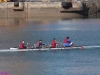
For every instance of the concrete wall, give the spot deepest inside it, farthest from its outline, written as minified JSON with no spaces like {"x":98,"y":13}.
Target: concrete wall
{"x":35,"y":9}
{"x":42,"y":5}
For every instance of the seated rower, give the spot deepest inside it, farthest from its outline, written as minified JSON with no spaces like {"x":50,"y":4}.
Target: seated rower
{"x":67,"y":42}
{"x":54,"y":43}
{"x":39,"y":44}
{"x":22,"y":45}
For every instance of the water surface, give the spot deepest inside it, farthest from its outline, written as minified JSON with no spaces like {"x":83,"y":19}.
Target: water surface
{"x":62,"y":62}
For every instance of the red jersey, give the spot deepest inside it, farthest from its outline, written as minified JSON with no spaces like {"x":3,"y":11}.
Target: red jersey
{"x":66,"y":41}
{"x":21,"y":45}
{"x":53,"y":44}
{"x":38,"y":44}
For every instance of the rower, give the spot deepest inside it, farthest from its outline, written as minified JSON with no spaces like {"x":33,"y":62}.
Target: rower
{"x":22,"y":45}
{"x":54,"y":43}
{"x":67,"y":42}
{"x":39,"y":44}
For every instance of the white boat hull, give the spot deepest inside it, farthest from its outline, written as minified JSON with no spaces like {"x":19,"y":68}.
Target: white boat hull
{"x":46,"y":49}
{"x":36,"y":49}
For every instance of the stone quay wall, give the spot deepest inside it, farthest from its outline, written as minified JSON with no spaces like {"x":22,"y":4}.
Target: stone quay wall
{"x":50,"y":9}
{"x":38,"y":9}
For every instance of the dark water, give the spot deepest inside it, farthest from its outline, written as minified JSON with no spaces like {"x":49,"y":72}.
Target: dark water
{"x":66,"y":62}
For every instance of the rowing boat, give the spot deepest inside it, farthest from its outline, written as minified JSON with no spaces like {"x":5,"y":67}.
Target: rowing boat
{"x":47,"y":49}
{"x":37,"y":49}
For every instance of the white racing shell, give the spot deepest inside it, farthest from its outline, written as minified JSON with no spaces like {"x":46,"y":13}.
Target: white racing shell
{"x":46,"y":49}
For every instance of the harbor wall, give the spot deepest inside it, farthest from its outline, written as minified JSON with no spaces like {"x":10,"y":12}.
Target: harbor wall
{"x":37,"y":9}
{"x":50,"y":9}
